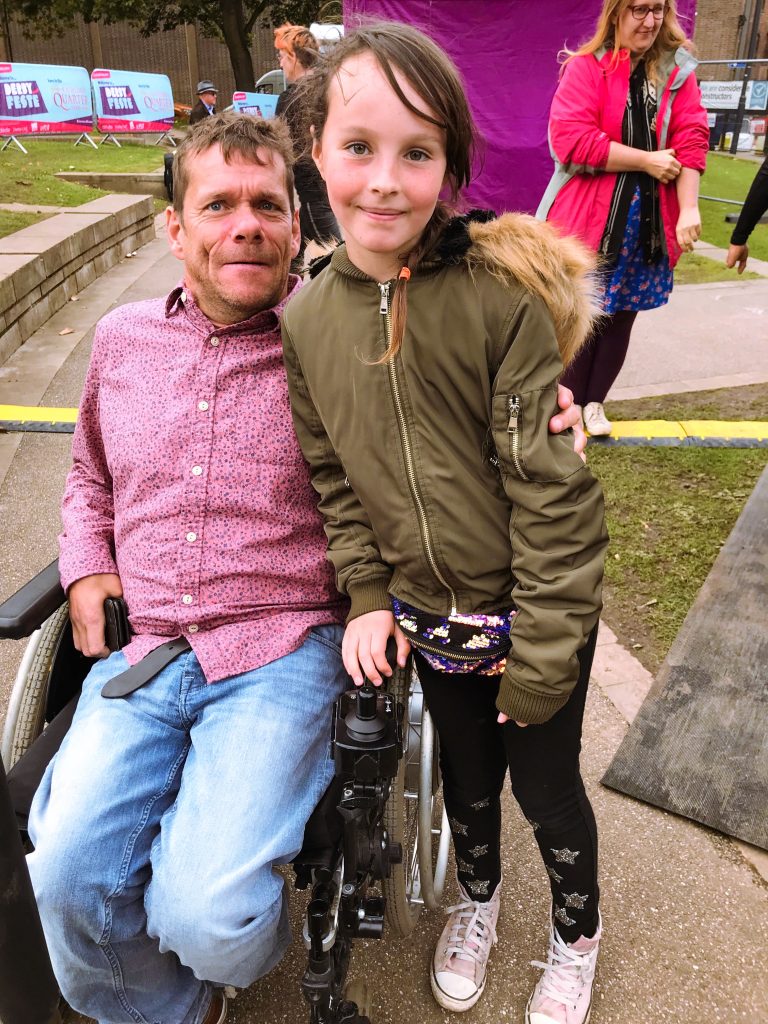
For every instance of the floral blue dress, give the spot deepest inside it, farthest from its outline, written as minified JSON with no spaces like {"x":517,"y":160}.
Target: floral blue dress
{"x":634,"y":284}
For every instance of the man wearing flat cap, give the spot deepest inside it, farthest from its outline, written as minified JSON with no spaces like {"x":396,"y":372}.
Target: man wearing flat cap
{"x":206,"y":102}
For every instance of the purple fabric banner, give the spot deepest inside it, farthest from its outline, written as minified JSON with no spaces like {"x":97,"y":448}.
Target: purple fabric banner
{"x":507,"y":53}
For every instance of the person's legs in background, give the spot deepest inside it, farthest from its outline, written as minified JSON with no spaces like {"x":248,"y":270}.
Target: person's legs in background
{"x":592,"y":373}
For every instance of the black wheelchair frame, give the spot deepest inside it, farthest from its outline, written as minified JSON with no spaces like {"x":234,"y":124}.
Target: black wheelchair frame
{"x":347,"y":849}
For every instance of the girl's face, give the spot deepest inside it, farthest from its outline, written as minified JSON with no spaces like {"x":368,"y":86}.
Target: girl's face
{"x":383,"y":165}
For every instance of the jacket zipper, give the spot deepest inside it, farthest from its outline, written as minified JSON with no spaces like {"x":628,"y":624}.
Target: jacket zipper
{"x":513,"y":429}
{"x":410,"y":469}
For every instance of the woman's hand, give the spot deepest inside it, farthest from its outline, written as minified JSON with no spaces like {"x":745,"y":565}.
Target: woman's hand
{"x":505,"y":718}
{"x":688,"y":227}
{"x":662,"y":165}
{"x":364,"y":647}
{"x":737,"y":254}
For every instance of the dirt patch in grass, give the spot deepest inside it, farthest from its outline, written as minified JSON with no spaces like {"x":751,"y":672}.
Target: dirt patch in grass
{"x":744,"y":403}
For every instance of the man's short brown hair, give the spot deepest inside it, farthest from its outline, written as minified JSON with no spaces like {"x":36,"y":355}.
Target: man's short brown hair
{"x":242,"y":134}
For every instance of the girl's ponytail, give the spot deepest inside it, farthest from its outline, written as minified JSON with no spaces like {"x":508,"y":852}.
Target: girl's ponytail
{"x":423,"y":251}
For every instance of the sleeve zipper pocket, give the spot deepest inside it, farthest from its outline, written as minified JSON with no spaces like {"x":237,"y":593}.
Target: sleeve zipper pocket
{"x":514,"y":409}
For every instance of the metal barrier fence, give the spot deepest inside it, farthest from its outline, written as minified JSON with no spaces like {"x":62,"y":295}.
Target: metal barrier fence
{"x":738,"y":106}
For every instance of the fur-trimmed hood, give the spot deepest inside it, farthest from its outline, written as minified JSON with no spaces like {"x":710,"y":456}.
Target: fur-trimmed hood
{"x":516,"y":247}
{"x":558,"y":269}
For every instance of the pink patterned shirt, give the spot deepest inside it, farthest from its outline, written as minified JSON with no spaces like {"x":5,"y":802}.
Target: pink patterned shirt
{"x":188,"y":481}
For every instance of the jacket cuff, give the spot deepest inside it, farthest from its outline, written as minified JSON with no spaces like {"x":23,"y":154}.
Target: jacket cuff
{"x":372,"y":595}
{"x":525,"y":706}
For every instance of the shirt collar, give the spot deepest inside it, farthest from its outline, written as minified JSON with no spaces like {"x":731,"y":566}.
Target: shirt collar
{"x":181,"y":300}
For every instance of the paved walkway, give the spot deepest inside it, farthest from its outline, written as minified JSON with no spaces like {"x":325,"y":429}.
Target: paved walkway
{"x":685,"y":910}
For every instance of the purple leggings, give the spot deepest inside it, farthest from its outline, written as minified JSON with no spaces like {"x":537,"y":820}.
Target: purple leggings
{"x":591,"y":374}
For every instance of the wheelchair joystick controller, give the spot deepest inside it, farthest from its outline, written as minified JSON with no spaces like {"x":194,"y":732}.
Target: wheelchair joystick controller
{"x":362,"y":720}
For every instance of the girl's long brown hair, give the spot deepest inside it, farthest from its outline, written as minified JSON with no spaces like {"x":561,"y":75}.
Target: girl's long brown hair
{"x":436,"y":80}
{"x":670,"y":37}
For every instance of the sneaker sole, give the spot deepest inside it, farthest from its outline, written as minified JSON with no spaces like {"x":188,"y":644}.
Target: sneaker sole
{"x":448,"y":1002}
{"x":528,"y":1014}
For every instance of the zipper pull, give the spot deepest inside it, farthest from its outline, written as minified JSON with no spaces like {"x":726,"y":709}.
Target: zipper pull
{"x":513,"y":409}
{"x":384,"y":307}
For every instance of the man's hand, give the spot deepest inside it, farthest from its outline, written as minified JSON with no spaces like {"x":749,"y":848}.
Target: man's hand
{"x":662,"y":165}
{"x":365,"y":643}
{"x":86,"y":611}
{"x":737,"y":254}
{"x":569,"y":417}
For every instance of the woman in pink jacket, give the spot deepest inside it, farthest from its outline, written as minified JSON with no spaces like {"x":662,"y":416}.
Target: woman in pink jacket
{"x":629,"y":136}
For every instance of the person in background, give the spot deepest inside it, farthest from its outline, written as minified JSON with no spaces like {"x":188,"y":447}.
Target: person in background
{"x":755,"y":206}
{"x":629,"y":136}
{"x":206,"y":102}
{"x":298,"y":52}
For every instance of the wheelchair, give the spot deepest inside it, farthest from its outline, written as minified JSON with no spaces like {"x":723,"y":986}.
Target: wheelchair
{"x":375,"y":849}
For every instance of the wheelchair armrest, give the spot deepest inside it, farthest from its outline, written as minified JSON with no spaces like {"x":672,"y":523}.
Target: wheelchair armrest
{"x":29,"y":607}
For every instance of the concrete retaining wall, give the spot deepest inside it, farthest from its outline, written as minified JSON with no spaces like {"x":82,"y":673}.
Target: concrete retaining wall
{"x":43,"y":265}
{"x":140,"y":183}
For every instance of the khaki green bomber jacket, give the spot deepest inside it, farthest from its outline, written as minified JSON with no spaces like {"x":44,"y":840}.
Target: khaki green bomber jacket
{"x":438,"y":478}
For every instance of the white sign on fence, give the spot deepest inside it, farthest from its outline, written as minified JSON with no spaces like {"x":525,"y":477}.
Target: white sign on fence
{"x":721,"y":95}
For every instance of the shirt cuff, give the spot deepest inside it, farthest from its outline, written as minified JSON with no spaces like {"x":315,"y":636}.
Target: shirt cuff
{"x":73,"y":569}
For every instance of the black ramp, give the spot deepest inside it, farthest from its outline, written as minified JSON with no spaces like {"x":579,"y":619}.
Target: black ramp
{"x":699,"y":744}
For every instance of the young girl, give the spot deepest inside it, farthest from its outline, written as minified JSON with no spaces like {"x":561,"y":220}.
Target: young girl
{"x":422,"y":362}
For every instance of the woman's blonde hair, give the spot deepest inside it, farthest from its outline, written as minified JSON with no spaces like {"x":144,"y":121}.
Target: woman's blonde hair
{"x":670,"y":37}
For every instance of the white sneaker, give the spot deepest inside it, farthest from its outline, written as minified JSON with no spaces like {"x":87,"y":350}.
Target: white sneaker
{"x":462,"y":951}
{"x":597,"y":423}
{"x":563,"y":994}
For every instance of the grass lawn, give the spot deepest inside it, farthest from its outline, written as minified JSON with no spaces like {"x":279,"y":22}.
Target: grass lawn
{"x":669,"y":511}
{"x":729,"y":177}
{"x":10,"y":221}
{"x":695,"y":269}
{"x":30,"y":179}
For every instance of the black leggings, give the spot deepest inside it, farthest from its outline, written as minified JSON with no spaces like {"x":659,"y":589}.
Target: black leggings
{"x":543,"y":762}
{"x":591,"y":374}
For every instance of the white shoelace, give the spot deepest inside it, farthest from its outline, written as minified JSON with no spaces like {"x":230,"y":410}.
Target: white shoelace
{"x":566,"y":972}
{"x":473,"y":927}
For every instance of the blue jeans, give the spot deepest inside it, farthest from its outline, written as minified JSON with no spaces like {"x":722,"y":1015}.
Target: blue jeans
{"x":158,"y":824}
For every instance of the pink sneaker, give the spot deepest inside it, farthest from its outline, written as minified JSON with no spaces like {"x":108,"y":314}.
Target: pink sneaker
{"x":461,"y":955}
{"x":563,"y":994}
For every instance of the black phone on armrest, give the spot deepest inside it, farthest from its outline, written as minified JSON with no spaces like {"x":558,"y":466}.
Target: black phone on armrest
{"x":117,"y":631}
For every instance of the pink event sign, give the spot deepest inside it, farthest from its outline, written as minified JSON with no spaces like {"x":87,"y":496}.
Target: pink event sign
{"x":131,"y":101}
{"x":38,"y":99}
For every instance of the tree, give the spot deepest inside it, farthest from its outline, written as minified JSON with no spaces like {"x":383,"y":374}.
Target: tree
{"x":230,"y":20}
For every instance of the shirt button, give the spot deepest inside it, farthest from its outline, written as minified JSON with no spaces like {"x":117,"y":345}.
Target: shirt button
{"x":202,"y":406}
{"x":197,"y":470}
{"x":214,"y":342}
{"x":186,"y":599}
{"x":183,"y":296}
{"x":191,"y":537}
{"x":192,"y":627}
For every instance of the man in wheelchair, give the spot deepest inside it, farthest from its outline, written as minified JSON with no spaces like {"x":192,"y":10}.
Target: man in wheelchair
{"x":198,"y":751}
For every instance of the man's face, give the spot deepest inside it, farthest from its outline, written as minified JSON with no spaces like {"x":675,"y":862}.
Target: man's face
{"x":209,"y":98}
{"x":238,"y":235}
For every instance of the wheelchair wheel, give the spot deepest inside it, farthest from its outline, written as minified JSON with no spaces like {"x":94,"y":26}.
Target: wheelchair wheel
{"x":26,"y":709}
{"x":414,"y":813}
